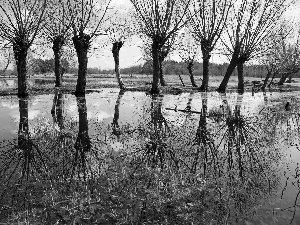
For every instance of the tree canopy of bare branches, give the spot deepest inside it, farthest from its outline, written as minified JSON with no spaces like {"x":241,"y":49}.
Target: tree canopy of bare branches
{"x":248,"y":26}
{"x":207,"y":25}
{"x":160,"y":20}
{"x":273,"y":49}
{"x":20,"y":22}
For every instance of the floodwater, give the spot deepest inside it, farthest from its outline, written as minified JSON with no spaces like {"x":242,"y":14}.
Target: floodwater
{"x":132,"y":158}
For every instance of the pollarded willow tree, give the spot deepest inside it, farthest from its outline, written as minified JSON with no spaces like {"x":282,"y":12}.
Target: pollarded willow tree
{"x":247,"y":28}
{"x":166,"y":50}
{"x":290,"y":58}
{"x":207,"y":26}
{"x":88,"y":18}
{"x":118,"y":33}
{"x":20,"y":23}
{"x":188,"y":50}
{"x":274,"y":51}
{"x":57,"y":31}
{"x":160,"y":20}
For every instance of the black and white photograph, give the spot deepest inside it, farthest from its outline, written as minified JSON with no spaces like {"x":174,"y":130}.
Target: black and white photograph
{"x":150,"y":112}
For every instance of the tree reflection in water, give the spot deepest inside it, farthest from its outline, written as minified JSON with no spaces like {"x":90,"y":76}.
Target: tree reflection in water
{"x":57,"y":110}
{"x":83,"y":144}
{"x":214,"y":169}
{"x":285,"y":133}
{"x":204,"y":140}
{"x":158,"y":130}
{"x":115,"y":124}
{"x":22,"y":167}
{"x":248,"y":172}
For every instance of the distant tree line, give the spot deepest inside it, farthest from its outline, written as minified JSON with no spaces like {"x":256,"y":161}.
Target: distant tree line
{"x":42,"y":66}
{"x":171,"y":67}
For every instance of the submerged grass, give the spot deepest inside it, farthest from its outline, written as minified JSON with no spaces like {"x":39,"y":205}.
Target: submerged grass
{"x":189,"y":174}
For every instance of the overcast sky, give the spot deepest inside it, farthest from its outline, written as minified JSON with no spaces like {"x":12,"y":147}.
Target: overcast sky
{"x":131,"y":54}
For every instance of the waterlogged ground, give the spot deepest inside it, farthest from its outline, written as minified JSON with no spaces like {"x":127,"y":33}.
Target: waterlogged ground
{"x":132,"y":158}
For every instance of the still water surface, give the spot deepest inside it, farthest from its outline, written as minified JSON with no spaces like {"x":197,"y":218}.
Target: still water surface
{"x":132,"y":158}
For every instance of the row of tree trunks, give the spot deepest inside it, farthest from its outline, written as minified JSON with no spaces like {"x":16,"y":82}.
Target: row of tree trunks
{"x":20,"y":49}
{"x":81,"y":44}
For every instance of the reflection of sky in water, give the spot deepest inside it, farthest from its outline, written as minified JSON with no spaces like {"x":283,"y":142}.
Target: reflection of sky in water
{"x":100,"y":106}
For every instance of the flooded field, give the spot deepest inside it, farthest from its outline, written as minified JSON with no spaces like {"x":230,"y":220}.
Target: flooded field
{"x":105,"y":80}
{"x":131,"y":158}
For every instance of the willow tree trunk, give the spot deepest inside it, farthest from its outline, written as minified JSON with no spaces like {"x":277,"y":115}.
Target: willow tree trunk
{"x":230,"y":69}
{"x":20,"y":52}
{"x":82,"y":44}
{"x":156,"y":70}
{"x":58,"y":43}
{"x":240,"y":68}
{"x":266,"y":80}
{"x":283,"y":78}
{"x":274,"y":75}
{"x":204,"y":85}
{"x":181,"y":80}
{"x":116,"y":54}
{"x":161,"y":74}
{"x":190,"y":68}
{"x":223,"y":85}
{"x":83,"y":142}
